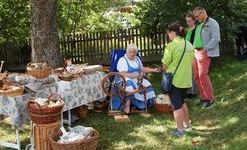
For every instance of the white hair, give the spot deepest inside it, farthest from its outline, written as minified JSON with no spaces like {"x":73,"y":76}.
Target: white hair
{"x":132,"y":46}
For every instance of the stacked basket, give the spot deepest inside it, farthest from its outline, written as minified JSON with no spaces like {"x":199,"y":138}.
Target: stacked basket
{"x":45,"y":114}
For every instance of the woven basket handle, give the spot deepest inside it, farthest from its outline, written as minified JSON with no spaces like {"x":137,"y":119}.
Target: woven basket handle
{"x":29,"y":64}
{"x":45,"y":64}
{"x":58,"y":98}
{"x":32,"y":102}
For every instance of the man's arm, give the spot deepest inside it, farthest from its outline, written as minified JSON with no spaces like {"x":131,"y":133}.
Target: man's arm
{"x":214,"y":30}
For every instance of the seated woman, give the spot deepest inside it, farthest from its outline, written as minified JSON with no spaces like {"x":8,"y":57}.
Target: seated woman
{"x":130,"y":66}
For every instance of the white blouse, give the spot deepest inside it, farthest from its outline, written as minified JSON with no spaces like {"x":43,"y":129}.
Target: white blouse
{"x":123,"y":66}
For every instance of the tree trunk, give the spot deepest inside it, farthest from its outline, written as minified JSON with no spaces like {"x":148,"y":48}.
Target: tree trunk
{"x":45,"y":39}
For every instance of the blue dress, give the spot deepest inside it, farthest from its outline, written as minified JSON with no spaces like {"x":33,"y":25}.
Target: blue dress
{"x":137,"y":100}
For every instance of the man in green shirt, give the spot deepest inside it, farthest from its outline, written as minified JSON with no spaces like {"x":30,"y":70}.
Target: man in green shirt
{"x":183,"y":76}
{"x":206,"y":43}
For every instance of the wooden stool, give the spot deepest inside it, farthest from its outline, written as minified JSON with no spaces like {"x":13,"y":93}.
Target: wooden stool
{"x":42,"y":133}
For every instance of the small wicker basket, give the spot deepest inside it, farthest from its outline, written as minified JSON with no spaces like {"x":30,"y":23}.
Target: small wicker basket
{"x":44,"y":114}
{"x":38,"y":70}
{"x":65,"y":77}
{"x":100,"y":106}
{"x":86,"y":144}
{"x":12,"y":91}
{"x":82,"y":111}
{"x":163,"y":108}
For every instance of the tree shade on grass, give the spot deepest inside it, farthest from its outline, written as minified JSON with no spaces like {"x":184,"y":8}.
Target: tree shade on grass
{"x":222,"y":126}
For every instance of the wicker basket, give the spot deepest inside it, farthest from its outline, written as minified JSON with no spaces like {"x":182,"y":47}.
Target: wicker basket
{"x":87,"y":144}
{"x":38,"y":70}
{"x":42,"y":133}
{"x":163,"y":108}
{"x":44,"y":114}
{"x":100,"y":106}
{"x":65,"y":78}
{"x":82,"y":111}
{"x":12,"y":91}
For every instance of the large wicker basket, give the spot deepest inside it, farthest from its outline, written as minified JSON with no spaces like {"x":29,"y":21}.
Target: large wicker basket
{"x":12,"y":91}
{"x":44,"y":114}
{"x":38,"y":70}
{"x":87,"y":144}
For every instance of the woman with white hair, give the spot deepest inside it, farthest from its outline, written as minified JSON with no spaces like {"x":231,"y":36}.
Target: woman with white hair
{"x":130,"y":66}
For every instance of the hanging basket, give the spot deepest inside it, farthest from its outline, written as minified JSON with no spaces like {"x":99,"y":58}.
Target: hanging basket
{"x":45,"y":114}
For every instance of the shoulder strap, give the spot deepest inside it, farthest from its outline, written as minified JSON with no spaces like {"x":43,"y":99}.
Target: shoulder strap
{"x":126,"y":61}
{"x":180,"y":58}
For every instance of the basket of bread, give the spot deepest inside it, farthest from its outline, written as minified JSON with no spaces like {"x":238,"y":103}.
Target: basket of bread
{"x":162,"y":104}
{"x":38,"y":70}
{"x":7,"y":88}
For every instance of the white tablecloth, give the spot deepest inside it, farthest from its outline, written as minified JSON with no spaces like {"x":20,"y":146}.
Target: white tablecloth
{"x":74,"y":93}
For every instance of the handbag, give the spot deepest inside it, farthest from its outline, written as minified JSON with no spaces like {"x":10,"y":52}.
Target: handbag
{"x":166,"y":83}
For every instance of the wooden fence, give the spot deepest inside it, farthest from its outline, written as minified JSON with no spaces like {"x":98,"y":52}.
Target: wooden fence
{"x":15,"y":55}
{"x":92,"y":48}
{"x":95,"y":47}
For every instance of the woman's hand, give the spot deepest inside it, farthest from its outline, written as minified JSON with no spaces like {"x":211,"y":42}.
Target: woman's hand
{"x":164,"y":68}
{"x":158,"y":69}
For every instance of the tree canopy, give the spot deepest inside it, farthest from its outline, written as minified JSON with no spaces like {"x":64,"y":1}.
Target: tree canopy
{"x":14,"y":19}
{"x":156,"y":14}
{"x":90,"y":15}
{"x":73,"y":16}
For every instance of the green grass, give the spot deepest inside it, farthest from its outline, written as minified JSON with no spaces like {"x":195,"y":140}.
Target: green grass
{"x":223,"y":126}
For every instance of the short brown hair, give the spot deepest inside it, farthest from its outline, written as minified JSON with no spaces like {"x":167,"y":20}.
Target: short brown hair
{"x":177,"y":28}
{"x":190,"y":15}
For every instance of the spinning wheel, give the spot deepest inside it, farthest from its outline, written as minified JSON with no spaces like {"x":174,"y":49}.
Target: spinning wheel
{"x":114,"y":85}
{"x":113,"y":80}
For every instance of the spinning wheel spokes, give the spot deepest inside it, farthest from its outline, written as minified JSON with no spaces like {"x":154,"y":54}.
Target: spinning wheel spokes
{"x":106,"y":86}
{"x":112,"y":80}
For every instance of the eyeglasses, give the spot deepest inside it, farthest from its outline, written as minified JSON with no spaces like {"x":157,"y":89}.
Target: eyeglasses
{"x":196,"y":16}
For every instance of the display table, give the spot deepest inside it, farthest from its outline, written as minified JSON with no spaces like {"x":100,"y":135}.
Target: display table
{"x":75,"y":93}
